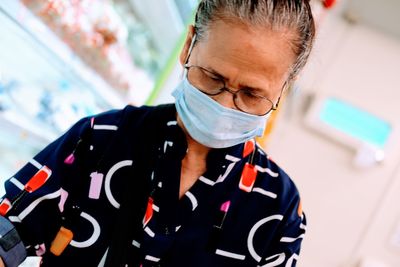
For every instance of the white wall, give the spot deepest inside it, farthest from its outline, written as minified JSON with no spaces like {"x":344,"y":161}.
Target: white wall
{"x":351,"y":213}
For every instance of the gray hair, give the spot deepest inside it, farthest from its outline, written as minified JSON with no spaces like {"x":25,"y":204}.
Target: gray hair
{"x":294,"y":15}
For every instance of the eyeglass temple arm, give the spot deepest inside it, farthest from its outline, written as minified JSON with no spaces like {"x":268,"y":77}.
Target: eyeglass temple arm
{"x":280,"y":96}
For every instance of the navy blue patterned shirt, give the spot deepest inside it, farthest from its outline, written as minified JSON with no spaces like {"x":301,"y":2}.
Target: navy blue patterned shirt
{"x":243,"y":211}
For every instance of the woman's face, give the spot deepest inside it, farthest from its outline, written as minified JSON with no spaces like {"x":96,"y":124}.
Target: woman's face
{"x":257,"y":59}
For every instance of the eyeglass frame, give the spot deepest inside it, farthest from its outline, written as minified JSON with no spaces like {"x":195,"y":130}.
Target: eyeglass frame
{"x":225,"y":88}
{"x":234,"y":93}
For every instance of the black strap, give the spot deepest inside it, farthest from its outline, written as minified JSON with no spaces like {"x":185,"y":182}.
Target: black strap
{"x":137,"y":190}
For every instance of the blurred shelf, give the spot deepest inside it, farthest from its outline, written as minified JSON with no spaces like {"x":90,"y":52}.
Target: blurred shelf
{"x":45,"y":86}
{"x":18,"y":126}
{"x":44,"y":48}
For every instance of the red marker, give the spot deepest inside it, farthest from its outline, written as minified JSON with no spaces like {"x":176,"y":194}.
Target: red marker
{"x":248,"y":178}
{"x":249,"y":147}
{"x":149,"y":212}
{"x":37,"y":181}
{"x":5,"y":206}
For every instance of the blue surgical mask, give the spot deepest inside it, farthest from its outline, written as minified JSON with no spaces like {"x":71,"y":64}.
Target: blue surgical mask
{"x":212,"y":124}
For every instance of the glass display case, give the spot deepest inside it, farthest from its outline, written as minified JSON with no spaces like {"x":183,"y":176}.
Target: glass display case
{"x":46,"y":85}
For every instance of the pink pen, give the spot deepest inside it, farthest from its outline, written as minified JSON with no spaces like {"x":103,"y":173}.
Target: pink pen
{"x":70,"y":159}
{"x":224,"y":208}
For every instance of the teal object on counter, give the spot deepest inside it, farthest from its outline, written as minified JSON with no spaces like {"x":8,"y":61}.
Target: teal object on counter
{"x":355,"y":122}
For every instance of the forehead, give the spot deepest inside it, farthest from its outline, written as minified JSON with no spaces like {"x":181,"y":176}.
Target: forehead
{"x":254,"y":56}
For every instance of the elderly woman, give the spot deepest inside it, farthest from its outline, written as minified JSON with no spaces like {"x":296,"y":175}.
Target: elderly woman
{"x":176,"y":185}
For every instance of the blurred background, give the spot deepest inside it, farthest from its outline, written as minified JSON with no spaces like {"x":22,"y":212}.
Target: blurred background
{"x":336,"y":134}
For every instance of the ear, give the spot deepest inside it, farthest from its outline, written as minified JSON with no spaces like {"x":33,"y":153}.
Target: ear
{"x":185,"y":50}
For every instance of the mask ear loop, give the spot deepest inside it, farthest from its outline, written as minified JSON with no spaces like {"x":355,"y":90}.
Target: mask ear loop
{"x":191,"y":47}
{"x":188,"y":55}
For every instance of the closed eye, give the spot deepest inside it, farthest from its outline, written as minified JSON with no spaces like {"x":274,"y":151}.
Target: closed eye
{"x":212,"y":75}
{"x":249,"y":93}
{"x":217,"y":79}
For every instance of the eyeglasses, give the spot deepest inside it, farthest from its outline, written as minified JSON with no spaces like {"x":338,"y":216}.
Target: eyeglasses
{"x":211,"y":84}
